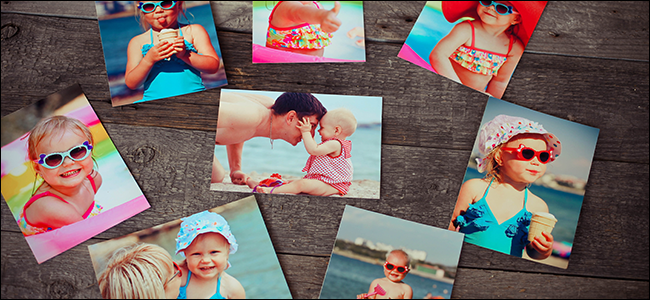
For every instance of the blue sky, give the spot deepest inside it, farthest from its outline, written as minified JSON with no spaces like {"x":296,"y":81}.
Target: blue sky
{"x":578,"y":141}
{"x":442,"y":246}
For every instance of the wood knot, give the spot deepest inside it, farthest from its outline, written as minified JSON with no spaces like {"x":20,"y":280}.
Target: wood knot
{"x":143,"y":155}
{"x":408,"y":19}
{"x":61,"y":289}
{"x":9,"y":30}
{"x":553,"y":34}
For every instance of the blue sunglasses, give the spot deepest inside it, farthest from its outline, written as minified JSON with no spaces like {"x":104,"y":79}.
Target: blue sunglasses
{"x":55,"y":159}
{"x":148,"y":7}
{"x":500,"y":8}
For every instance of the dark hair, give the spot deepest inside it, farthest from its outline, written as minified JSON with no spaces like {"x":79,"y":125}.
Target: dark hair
{"x":304,"y":104}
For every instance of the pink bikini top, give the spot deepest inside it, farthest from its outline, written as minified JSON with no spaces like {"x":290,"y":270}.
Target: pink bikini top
{"x":303,"y":36}
{"x":478,"y":60}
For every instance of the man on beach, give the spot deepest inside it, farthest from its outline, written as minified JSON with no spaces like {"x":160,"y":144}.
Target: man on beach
{"x":243,"y":116}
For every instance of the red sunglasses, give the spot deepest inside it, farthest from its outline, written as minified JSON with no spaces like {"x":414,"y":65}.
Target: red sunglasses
{"x":177,"y":273}
{"x":399,"y":269}
{"x":526,"y":153}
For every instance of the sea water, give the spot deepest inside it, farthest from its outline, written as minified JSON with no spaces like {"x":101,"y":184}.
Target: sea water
{"x":346,"y":278}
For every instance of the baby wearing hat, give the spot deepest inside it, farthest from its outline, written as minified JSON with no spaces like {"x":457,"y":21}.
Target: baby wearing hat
{"x":495,"y":212}
{"x":206,"y":243}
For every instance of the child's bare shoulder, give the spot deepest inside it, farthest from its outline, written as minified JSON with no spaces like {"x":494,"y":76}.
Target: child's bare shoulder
{"x":140,"y":40}
{"x":517,"y":47}
{"x":232,"y":287}
{"x":476,"y":185}
{"x":536,"y":204}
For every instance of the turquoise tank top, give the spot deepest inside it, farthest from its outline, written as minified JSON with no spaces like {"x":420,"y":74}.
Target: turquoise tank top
{"x":183,"y":290}
{"x":172,"y":77}
{"x":481,"y":227}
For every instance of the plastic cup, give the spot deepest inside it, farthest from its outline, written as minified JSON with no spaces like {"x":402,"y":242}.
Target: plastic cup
{"x":541,"y":221}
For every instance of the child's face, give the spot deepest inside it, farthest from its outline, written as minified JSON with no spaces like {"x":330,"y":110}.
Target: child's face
{"x":162,"y":18}
{"x":70,"y":173}
{"x":522,"y":170}
{"x":489,"y":15}
{"x":396,"y":259}
{"x":207,"y":256}
{"x":327,"y":128}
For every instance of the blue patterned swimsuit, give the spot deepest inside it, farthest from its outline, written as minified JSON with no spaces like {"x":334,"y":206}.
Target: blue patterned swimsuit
{"x":481,"y":227}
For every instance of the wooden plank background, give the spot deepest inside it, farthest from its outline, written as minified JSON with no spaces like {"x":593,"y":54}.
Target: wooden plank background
{"x":586,"y":62}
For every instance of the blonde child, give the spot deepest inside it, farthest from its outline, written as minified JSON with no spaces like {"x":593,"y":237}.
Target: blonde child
{"x":302,"y":27}
{"x":168,"y":69}
{"x":142,"y":271}
{"x":483,"y":53}
{"x":329,"y":168}
{"x":495,"y":212}
{"x":60,"y":149}
{"x":396,"y":267}
{"x":206,"y":243}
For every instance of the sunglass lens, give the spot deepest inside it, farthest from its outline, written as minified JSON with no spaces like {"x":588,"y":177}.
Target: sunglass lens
{"x":401,"y":269}
{"x":53,"y":160}
{"x":167,"y":4}
{"x":527,"y":154}
{"x":544,"y":156}
{"x":390,"y":266}
{"x":79,"y":152}
{"x":500,"y":8}
{"x":149,"y":7}
{"x":486,"y":3}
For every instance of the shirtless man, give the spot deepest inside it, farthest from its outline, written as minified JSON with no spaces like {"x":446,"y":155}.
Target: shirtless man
{"x":243,"y":116}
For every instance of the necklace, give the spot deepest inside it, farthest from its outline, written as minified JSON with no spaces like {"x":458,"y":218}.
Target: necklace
{"x":271,"y":131}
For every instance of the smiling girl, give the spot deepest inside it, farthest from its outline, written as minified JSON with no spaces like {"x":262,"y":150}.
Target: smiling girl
{"x":494,"y":212}
{"x":60,"y":149}
{"x":206,"y":242}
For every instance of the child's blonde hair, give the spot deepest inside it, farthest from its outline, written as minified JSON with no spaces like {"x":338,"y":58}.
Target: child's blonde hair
{"x":345,"y":118}
{"x":137,"y":272}
{"x":55,"y":125}
{"x":139,"y":14}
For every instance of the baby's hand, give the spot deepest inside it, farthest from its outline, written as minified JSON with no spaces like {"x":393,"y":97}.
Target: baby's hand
{"x":160,"y":51}
{"x":543,"y":245}
{"x":329,"y":22}
{"x":179,"y":47}
{"x":304,"y":125}
{"x":362,"y":296}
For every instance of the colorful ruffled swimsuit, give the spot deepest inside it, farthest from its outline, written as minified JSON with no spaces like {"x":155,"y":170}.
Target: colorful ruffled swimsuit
{"x":29,"y":229}
{"x":183,"y":290}
{"x":303,"y":36}
{"x":480,"y":61}
{"x":481,"y":227}
{"x":335,"y":171}
{"x":172,"y":77}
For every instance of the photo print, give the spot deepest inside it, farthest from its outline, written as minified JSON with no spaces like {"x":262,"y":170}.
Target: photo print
{"x":221,"y":253}
{"x":156,"y":50}
{"x":376,"y":256}
{"x":62,"y":177}
{"x":308,"y":32}
{"x":525,"y":183}
{"x":258,"y":144}
{"x":475,"y":43}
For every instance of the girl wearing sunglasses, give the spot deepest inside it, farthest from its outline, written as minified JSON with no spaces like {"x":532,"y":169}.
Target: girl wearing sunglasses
{"x":141,"y":271}
{"x":495,"y":212}
{"x":167,"y":68}
{"x":484,"y":52}
{"x":391,"y":287}
{"x":60,"y":149}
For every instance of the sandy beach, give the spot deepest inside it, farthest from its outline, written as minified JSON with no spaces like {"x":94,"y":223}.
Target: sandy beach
{"x":360,"y":188}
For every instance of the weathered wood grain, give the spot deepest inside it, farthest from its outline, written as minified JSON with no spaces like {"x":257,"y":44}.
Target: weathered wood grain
{"x":420,"y":108}
{"x":418,"y":184}
{"x":603,"y":29}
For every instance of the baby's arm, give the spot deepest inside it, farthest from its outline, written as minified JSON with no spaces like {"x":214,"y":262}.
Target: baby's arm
{"x":329,"y":147}
{"x":50,"y":211}
{"x":297,"y":13}
{"x":466,"y":196}
{"x":232,"y":287}
{"x":497,"y":85}
{"x":207,"y":61}
{"x":138,"y":67}
{"x":439,"y":56}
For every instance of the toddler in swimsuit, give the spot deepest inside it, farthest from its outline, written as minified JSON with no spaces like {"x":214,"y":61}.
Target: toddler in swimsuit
{"x":168,"y":69}
{"x":60,"y":149}
{"x":206,"y":243}
{"x":395,"y":269}
{"x":483,"y":53}
{"x":495,"y":212}
{"x":329,"y":168}
{"x":302,"y":27}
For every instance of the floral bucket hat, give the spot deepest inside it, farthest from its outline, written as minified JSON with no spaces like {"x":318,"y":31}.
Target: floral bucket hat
{"x":203,"y":222}
{"x":502,"y":128}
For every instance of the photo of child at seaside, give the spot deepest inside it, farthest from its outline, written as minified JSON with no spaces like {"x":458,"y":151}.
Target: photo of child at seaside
{"x":376,"y":256}
{"x":308,"y":31}
{"x":525,"y":165}
{"x":220,"y":253}
{"x":476,"y":43}
{"x":173,"y":51}
{"x":250,"y":123}
{"x":60,"y":173}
